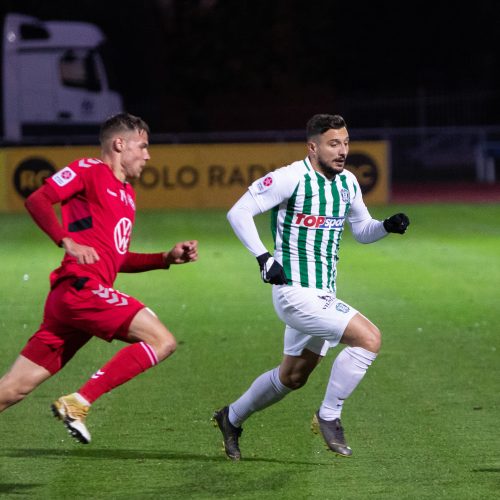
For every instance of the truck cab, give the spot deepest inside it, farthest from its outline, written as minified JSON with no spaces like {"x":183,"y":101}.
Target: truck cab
{"x":54,"y":80}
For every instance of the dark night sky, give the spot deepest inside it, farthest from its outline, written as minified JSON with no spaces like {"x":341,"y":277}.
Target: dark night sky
{"x":188,"y":65}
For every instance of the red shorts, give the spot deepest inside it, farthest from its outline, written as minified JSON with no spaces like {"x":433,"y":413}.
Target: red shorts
{"x":76,"y":310}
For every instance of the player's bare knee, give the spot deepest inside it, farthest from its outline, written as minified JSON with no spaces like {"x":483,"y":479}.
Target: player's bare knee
{"x":168,"y":348}
{"x":294,"y":381}
{"x":372,"y":340}
{"x":146,"y":327}
{"x":165,"y":345}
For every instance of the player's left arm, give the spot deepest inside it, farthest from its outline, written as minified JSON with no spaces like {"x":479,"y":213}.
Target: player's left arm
{"x":181,"y":253}
{"x":366,"y":229}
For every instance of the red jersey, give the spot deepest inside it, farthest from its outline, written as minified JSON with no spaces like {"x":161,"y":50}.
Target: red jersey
{"x":98,"y":210}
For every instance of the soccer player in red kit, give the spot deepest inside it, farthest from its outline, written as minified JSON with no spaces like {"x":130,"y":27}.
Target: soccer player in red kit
{"x":98,"y":212}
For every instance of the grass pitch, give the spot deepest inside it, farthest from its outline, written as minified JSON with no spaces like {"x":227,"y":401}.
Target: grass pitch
{"x":422,"y":424}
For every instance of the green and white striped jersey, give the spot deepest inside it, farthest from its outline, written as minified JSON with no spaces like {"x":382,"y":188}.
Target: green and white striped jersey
{"x":308,"y":215}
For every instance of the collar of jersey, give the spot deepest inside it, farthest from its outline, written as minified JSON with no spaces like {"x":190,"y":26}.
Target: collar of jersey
{"x":307,"y":163}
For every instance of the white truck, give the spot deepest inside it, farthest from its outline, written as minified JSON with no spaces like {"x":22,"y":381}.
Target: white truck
{"x":54,"y":80}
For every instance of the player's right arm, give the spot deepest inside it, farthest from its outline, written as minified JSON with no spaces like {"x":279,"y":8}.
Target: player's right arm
{"x":40,"y":206}
{"x":241,"y":219}
{"x":262,"y":195}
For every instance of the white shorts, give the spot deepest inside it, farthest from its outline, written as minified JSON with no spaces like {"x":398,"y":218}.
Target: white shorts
{"x":315,"y":319}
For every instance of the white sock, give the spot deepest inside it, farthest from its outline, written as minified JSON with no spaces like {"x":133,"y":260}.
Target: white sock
{"x":265,"y":390}
{"x":347,"y":371}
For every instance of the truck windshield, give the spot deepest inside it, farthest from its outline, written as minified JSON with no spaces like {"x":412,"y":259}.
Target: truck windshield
{"x":78,"y":68}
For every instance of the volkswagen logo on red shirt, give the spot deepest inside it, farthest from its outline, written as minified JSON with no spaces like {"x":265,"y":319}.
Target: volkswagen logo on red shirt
{"x":122,"y":235}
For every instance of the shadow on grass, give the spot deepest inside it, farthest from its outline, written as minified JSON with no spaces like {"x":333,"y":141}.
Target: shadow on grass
{"x":141,"y":455}
{"x":17,"y":488}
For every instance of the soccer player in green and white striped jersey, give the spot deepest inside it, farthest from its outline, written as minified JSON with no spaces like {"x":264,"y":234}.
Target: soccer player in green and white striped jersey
{"x":310,"y":201}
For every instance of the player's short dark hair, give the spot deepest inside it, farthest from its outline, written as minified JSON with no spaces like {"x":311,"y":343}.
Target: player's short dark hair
{"x":321,"y":123}
{"x":119,"y":123}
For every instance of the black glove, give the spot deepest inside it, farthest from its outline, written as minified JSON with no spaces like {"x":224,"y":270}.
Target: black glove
{"x":396,"y":223}
{"x":270,"y":270}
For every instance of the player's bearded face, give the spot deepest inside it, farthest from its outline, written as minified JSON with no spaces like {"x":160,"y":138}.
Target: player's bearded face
{"x":135,"y":153}
{"x":331,"y":151}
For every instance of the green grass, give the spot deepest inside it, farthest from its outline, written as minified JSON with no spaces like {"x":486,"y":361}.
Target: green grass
{"x":423,"y":423}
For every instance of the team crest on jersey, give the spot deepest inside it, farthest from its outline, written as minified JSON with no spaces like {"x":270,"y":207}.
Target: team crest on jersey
{"x":64,"y":176}
{"x":345,"y":195}
{"x":122,"y":234}
{"x":264,"y":183}
{"x":341,"y":307}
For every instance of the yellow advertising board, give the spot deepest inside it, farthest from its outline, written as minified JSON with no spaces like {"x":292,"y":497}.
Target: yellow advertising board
{"x":189,"y":175}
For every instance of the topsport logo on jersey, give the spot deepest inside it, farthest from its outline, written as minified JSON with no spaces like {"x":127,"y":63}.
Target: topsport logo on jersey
{"x":318,"y":221}
{"x":122,"y":235}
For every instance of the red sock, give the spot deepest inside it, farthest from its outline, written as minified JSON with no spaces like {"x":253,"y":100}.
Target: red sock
{"x":124,"y":365}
